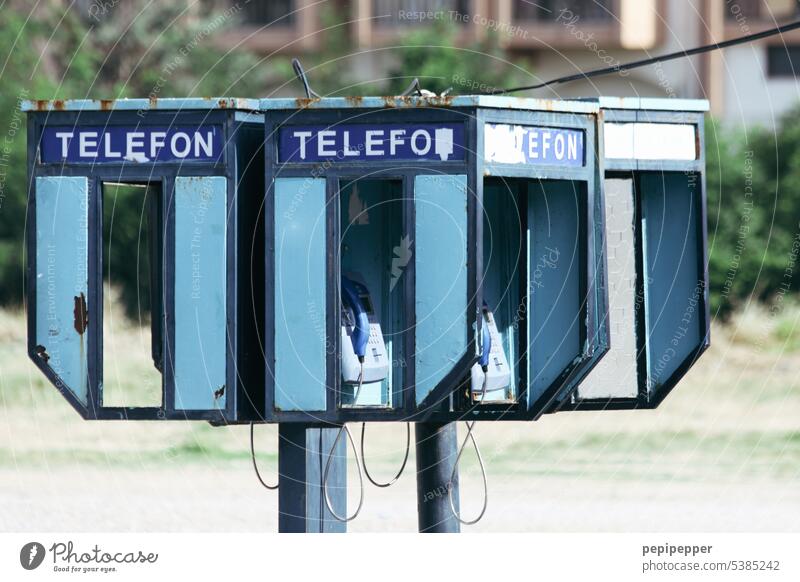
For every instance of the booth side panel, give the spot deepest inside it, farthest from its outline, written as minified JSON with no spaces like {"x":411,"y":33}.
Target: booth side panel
{"x":440,"y":254}
{"x":62,"y":263}
{"x":670,"y":228}
{"x":200,"y":293}
{"x":554,"y":282}
{"x":300,"y":294}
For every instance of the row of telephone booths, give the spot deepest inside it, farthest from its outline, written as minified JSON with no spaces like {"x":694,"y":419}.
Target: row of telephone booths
{"x":372,"y":259}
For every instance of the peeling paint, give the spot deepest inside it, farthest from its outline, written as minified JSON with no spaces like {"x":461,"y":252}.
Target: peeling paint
{"x":81,"y":314}
{"x":41,"y":351}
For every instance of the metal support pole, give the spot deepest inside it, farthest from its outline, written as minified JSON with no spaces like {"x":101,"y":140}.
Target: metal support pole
{"x":302,"y":454}
{"x":436,"y":453}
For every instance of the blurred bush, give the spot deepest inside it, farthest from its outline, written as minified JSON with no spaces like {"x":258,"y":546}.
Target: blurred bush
{"x":753,"y":183}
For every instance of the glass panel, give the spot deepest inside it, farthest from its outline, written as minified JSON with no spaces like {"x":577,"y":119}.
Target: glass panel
{"x":441,"y":278}
{"x":200,"y":293}
{"x":301,"y":342}
{"x":62,"y":263}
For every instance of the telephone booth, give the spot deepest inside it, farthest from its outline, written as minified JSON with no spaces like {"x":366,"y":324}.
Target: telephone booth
{"x":191,"y":172}
{"x":446,"y":214}
{"x":653,"y":165}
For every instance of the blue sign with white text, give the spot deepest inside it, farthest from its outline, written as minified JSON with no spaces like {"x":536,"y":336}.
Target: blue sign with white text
{"x":367,"y":143}
{"x":527,"y":144}
{"x":121,"y":143}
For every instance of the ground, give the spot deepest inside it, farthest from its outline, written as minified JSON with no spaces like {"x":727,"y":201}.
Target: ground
{"x":721,"y":454}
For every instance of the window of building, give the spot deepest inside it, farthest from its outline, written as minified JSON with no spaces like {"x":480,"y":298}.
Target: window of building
{"x":261,"y":12}
{"x":783,"y":61}
{"x":416,"y":12}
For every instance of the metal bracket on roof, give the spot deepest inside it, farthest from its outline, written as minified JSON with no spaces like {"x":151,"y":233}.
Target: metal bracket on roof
{"x":301,"y":74}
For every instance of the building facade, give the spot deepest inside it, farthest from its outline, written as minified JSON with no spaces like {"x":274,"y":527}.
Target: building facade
{"x":751,"y":84}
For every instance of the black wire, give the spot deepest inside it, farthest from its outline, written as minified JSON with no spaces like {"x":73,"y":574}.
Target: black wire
{"x":255,"y":464}
{"x":402,"y":466}
{"x":653,"y":60}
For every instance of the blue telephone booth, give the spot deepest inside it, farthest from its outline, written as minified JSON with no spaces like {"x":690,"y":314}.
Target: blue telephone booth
{"x":653,"y":166}
{"x":440,"y":216}
{"x":195,"y":171}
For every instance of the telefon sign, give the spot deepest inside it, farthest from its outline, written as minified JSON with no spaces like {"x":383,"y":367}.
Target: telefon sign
{"x":525,"y":144}
{"x":371,"y":143}
{"x":116,"y":143}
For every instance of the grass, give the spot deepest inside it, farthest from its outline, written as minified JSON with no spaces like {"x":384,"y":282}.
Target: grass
{"x":736,"y":413}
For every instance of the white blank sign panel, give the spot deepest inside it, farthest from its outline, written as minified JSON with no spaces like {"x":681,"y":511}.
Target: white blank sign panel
{"x":650,"y":141}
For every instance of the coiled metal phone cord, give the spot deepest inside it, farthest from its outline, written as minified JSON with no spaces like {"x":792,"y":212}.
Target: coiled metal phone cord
{"x":255,"y":464}
{"x":470,"y":436}
{"x":402,"y":466}
{"x":344,"y":429}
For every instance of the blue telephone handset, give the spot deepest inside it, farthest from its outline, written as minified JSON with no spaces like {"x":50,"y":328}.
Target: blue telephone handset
{"x":490,"y":377}
{"x":486,"y":348}
{"x":350,"y":297}
{"x":364,"y":355}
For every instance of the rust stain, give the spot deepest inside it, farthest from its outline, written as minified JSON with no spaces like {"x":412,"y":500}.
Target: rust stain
{"x":58,"y":104}
{"x":219,"y":393}
{"x":152,"y":101}
{"x":106,"y":104}
{"x":223,"y":103}
{"x":418,"y":101}
{"x":305,"y":102}
{"x":354,"y":100}
{"x":81,"y":314}
{"x":41,"y":351}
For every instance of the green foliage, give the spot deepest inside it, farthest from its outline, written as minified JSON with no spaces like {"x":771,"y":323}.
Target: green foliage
{"x":753,"y":183}
{"x":431,"y":54}
{"x":135,"y":49}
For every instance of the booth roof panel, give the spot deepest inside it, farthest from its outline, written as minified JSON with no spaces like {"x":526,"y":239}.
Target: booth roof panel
{"x":167,"y":104}
{"x":651,"y":103}
{"x":590,"y":105}
{"x":410,"y":102}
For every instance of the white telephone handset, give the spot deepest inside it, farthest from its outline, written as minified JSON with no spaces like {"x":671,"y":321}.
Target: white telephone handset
{"x":362,"y":339}
{"x":491,"y":373}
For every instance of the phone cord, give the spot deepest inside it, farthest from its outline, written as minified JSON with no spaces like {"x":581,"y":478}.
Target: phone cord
{"x":470,"y":436}
{"x":402,"y":467}
{"x":255,"y":464}
{"x":344,"y":429}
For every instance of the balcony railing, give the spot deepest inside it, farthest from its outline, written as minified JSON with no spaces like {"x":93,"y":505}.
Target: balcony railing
{"x":595,"y":11}
{"x":736,"y":10}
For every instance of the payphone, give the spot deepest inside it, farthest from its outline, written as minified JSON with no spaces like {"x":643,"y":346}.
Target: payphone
{"x":653,"y":168}
{"x":436,"y":203}
{"x":193,"y":168}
